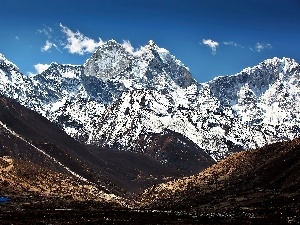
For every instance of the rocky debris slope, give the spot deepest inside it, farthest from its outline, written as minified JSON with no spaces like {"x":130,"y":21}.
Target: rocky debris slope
{"x":120,"y":96}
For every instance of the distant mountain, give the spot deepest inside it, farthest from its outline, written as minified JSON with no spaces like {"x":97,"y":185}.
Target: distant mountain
{"x":119,"y":97}
{"x":255,"y":184}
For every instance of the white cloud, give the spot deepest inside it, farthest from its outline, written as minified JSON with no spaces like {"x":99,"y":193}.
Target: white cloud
{"x":261,"y":46}
{"x":212,"y":44}
{"x":31,"y":73}
{"x":77,"y":43}
{"x":39,"y":68}
{"x":128,"y":47}
{"x":48,"y":45}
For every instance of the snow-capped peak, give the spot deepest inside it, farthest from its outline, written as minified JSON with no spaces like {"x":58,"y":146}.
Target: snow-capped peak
{"x":151,"y":45}
{"x":111,"y":42}
{"x":126,"y":69}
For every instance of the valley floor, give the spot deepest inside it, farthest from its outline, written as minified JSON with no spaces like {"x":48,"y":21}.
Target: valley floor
{"x":44,"y":210}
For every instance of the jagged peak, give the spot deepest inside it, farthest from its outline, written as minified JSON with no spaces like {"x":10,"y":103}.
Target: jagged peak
{"x":277,"y":59}
{"x":105,"y":47}
{"x":285,"y":61}
{"x":55,"y":64}
{"x":151,"y":45}
{"x":108,"y":44}
{"x":57,"y":71}
{"x":111,"y":42}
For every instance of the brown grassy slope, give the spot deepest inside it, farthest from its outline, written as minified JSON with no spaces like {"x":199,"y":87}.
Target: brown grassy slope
{"x":274,"y":168}
{"x":21,"y":178}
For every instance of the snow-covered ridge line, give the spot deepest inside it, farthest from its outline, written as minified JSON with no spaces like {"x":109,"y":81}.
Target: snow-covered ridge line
{"x":291,"y":63}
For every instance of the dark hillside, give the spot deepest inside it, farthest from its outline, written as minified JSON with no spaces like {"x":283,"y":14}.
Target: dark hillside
{"x":117,"y":171}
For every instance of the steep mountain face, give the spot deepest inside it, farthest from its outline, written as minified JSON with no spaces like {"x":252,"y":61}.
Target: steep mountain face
{"x":120,"y":96}
{"x":264,"y":98}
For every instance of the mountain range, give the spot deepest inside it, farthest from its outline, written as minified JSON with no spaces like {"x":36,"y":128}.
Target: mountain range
{"x":120,"y":128}
{"x":123,"y":99}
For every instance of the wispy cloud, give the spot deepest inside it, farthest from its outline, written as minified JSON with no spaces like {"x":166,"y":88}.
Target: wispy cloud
{"x":212,"y":44}
{"x":48,"y":45}
{"x":233,"y":44}
{"x":46,"y":31}
{"x":261,"y":46}
{"x":17,"y":38}
{"x":77,"y":43}
{"x":64,"y":38}
{"x":258,"y":47}
{"x":39,"y":68}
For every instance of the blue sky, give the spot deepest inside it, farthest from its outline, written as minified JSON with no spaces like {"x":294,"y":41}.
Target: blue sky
{"x":212,"y":38}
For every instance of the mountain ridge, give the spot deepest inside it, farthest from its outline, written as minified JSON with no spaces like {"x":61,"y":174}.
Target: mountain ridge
{"x":225,"y":115}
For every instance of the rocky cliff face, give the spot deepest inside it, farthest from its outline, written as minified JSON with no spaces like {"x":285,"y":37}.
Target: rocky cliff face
{"x":119,"y":97}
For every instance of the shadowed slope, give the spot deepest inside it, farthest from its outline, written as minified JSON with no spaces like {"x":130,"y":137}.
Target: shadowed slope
{"x":27,"y":135}
{"x":175,"y":150}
